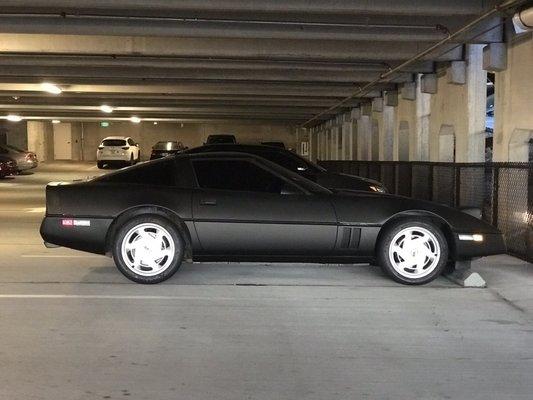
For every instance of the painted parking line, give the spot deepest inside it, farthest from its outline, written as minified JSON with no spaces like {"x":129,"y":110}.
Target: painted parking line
{"x":108,"y":297}
{"x":36,"y":210}
{"x":59,"y":256}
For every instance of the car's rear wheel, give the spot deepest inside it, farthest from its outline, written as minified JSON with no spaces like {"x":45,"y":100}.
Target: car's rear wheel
{"x":413,"y":252}
{"x":148,"y":249}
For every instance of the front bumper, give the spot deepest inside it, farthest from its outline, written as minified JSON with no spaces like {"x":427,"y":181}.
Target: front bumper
{"x":492,"y":243}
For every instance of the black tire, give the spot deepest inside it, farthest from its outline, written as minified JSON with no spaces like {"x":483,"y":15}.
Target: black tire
{"x":132,"y":160}
{"x":150,"y":219}
{"x":100,"y":164}
{"x":385,"y":243}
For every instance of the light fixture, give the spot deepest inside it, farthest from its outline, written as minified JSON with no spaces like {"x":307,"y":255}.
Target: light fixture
{"x":105,"y":108}
{"x":135,"y":119}
{"x":51,"y":88}
{"x":56,"y":121}
{"x":14,"y":118}
{"x":155,"y":122}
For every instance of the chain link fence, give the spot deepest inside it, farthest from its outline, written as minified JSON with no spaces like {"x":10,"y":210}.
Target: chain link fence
{"x":503,"y":191}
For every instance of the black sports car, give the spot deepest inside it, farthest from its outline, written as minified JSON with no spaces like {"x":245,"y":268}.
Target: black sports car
{"x":300,"y":165}
{"x":238,"y":207}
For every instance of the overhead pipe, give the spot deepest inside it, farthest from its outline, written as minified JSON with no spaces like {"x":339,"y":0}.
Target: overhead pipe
{"x":506,"y":5}
{"x":210,"y":28}
{"x":523,"y":20}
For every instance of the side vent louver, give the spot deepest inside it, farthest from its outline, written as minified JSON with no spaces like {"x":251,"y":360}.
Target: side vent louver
{"x":350,"y":238}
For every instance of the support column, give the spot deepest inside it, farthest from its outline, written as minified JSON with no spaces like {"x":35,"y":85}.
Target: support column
{"x":41,"y":140}
{"x":364,"y":134}
{"x":423,"y":110}
{"x":513,"y":116}
{"x":476,"y":87}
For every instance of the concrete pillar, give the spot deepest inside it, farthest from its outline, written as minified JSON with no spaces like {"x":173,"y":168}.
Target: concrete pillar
{"x":347,"y":137}
{"x":335,"y":140}
{"x":476,"y":87}
{"x":457,"y":113}
{"x":421,"y":137}
{"x":388,"y":125}
{"x":513,"y":106}
{"x":364,"y":134}
{"x":41,"y":140}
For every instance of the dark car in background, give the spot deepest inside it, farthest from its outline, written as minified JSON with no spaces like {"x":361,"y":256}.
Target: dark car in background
{"x":274,"y":144}
{"x":25,"y":159}
{"x":219,"y":139}
{"x":166,"y":148}
{"x":295,"y":163}
{"x":8,"y":166}
{"x":231,"y":206}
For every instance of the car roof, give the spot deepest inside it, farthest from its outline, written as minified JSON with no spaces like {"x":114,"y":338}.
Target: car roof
{"x":116,"y":137}
{"x":229,"y":146}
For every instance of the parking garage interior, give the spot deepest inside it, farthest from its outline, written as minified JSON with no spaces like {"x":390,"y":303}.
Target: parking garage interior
{"x":431,"y":98}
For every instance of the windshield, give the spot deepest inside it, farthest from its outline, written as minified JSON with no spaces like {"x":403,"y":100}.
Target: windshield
{"x":170,"y":145}
{"x":288,"y":160}
{"x":114,"y":142}
{"x":9,"y":146}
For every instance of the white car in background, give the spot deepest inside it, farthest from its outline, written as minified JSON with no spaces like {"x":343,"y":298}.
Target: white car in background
{"x":117,"y":150}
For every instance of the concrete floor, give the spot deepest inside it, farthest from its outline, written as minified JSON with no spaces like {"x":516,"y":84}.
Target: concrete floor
{"x":72,"y":327}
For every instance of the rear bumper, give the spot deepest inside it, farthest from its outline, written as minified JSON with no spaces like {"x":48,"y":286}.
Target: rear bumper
{"x":25,"y":165}
{"x":85,"y":234}
{"x":493,"y":243}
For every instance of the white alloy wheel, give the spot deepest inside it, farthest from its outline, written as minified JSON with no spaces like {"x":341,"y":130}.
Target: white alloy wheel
{"x":414,"y":252}
{"x":148,"y":249}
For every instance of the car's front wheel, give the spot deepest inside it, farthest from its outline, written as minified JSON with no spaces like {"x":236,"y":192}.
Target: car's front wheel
{"x":148,"y":249}
{"x":413,"y":252}
{"x":100,"y":164}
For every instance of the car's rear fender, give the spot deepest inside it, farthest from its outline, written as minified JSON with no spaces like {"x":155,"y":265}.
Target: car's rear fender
{"x":179,"y":223}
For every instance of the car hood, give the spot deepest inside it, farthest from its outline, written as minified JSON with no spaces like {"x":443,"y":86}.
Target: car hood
{"x":378,"y":208}
{"x":332,"y":180}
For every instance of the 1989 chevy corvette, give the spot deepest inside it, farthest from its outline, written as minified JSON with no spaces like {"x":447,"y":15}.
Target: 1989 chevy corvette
{"x":239,"y":207}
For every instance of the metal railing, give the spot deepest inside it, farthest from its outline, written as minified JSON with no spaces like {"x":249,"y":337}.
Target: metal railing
{"x":503,"y":191}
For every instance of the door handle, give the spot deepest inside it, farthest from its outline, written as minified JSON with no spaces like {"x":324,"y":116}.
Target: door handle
{"x":208,"y":202}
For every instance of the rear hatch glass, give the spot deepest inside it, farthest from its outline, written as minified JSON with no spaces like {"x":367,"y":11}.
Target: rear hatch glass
{"x":114,"y":142}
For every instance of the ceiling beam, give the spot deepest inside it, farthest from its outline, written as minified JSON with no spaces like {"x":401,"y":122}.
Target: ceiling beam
{"x":257,"y":49}
{"x":247,"y":7}
{"x":206,"y":74}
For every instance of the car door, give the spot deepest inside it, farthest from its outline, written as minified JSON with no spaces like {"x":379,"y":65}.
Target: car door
{"x":241,"y":207}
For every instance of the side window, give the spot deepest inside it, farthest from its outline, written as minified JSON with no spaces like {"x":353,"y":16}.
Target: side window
{"x":237,"y":175}
{"x":161,"y":173}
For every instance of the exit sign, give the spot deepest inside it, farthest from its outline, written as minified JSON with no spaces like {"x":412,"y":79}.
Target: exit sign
{"x":104,"y":124}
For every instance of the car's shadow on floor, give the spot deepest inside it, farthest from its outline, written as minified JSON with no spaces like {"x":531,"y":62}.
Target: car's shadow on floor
{"x":265,"y":274}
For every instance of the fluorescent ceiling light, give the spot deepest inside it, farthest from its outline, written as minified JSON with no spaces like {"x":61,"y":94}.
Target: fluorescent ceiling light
{"x":51,"y":88}
{"x":135,"y":119}
{"x":55,"y":121}
{"x":105,"y":108}
{"x":14,"y":118}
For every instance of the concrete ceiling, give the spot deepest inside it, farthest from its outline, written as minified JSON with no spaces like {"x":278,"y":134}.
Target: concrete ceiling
{"x":225,"y":59}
